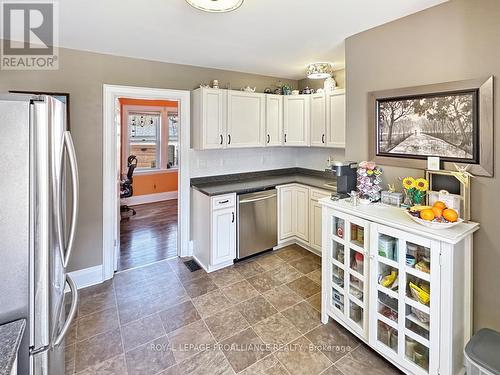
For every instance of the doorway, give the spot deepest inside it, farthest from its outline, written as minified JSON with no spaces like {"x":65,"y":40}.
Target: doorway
{"x":160,"y":227}
{"x":149,"y":155}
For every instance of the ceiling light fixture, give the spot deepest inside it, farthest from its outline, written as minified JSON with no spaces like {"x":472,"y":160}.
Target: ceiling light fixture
{"x":319,"y":70}
{"x":215,"y":6}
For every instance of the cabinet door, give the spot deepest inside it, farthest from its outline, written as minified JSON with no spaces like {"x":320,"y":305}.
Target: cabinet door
{"x":213,"y":118}
{"x":274,"y":120}
{"x":223,"y":236}
{"x":315,"y":218}
{"x":404,"y":323}
{"x":302,"y":213}
{"x":318,"y":120}
{"x":335,"y":119}
{"x":296,"y":120}
{"x":315,"y":225}
{"x":245,"y":119}
{"x":286,"y":212}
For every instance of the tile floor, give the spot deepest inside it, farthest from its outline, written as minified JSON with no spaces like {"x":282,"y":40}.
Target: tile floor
{"x":162,"y":319}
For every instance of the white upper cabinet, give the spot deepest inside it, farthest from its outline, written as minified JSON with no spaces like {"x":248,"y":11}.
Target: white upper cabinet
{"x":335,"y":119}
{"x":208,"y":118}
{"x":246,"y":119}
{"x":274,"y":120}
{"x":237,"y":119}
{"x":296,"y":120}
{"x":318,"y":120}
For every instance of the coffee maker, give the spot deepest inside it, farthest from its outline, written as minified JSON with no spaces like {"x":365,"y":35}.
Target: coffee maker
{"x":346,"y":173}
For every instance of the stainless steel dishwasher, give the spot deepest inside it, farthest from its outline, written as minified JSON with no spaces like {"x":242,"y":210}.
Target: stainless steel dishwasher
{"x":257,"y":222}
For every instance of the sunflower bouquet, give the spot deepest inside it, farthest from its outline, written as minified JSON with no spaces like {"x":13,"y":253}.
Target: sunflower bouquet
{"x":415,"y":189}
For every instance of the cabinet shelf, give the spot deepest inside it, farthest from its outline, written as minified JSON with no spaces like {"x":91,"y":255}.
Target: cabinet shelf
{"x":421,"y":275}
{"x":356,"y":247}
{"x":388,"y":262}
{"x":389,"y":322}
{"x":412,"y":317}
{"x":389,"y":292}
{"x":417,"y":338}
{"x":417,"y":305}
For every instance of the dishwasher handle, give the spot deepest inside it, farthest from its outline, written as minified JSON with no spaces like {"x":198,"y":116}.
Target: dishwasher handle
{"x":257,"y":199}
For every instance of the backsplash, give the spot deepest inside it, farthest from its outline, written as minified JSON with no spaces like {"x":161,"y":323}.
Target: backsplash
{"x":219,"y":162}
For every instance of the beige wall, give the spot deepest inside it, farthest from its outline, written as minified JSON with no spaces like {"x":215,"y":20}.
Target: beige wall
{"x":456,"y":40}
{"x":338,"y":75}
{"x":82,"y":75}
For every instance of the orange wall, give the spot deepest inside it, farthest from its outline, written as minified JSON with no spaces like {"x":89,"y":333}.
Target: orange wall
{"x":150,"y":183}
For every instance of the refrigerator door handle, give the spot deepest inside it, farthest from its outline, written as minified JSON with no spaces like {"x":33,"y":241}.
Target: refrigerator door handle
{"x":66,"y":250}
{"x":72,"y":311}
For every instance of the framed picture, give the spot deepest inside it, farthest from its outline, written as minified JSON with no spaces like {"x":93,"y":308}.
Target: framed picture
{"x":452,"y":121}
{"x":63,"y":97}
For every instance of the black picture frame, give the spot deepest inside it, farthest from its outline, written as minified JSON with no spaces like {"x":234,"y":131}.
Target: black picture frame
{"x":470,"y":156}
{"x":62,"y":96}
{"x":481,"y":162}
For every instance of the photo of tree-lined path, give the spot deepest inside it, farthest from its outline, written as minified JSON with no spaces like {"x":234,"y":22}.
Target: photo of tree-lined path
{"x":431,"y":126}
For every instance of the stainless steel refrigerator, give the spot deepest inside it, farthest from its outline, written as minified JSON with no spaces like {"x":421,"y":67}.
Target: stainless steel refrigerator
{"x":38,"y":214}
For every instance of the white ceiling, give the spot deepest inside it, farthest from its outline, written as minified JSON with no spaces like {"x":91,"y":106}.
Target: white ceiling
{"x":271,"y":37}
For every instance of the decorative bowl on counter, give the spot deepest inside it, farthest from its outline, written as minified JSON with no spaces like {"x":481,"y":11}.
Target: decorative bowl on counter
{"x":434,"y":224}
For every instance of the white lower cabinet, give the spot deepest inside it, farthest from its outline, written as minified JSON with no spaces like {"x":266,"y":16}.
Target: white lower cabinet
{"x":315,"y":218}
{"x":223,"y":236}
{"x":213,"y":229}
{"x":299,"y":215}
{"x":403,"y":289}
{"x":293,"y":212}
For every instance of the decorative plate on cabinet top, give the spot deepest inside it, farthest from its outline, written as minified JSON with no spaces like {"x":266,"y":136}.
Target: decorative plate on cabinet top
{"x":434,"y":224}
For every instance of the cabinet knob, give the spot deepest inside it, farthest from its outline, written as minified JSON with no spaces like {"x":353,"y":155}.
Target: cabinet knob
{"x":229,"y":139}
{"x":221,"y":139}
{"x":323,"y":138}
{"x":268,"y":138}
{"x":285,"y":137}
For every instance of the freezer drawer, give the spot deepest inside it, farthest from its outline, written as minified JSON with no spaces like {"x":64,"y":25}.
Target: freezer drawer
{"x":257,"y":222}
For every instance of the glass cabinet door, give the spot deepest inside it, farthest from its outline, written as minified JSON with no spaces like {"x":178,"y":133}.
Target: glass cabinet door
{"x":349,"y":270}
{"x":404,"y":277}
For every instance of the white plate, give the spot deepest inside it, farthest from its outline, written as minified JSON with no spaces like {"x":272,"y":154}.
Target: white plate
{"x":433,"y":224}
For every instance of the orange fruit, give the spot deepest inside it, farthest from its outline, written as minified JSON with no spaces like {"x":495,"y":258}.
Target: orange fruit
{"x":438,"y":211}
{"x":440,"y":204}
{"x":450,"y":214}
{"x":427,"y":214}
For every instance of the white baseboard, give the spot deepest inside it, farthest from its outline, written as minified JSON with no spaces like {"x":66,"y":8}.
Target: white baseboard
{"x":87,"y":277}
{"x":149,"y":198}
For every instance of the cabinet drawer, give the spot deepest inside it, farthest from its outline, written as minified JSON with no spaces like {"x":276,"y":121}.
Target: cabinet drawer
{"x":223,"y":201}
{"x":317,"y":194}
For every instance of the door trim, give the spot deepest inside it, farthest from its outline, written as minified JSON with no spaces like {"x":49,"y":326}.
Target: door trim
{"x":111,"y":169}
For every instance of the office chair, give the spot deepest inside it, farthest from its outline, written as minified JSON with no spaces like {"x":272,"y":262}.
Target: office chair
{"x":126,"y":188}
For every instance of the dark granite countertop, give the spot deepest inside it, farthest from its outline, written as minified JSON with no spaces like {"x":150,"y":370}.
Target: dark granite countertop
{"x":242,"y":183}
{"x":10,"y":339}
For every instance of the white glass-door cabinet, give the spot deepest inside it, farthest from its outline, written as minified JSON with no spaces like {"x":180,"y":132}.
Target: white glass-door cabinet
{"x":345,"y":261}
{"x":404,"y":303}
{"x":402,"y":288}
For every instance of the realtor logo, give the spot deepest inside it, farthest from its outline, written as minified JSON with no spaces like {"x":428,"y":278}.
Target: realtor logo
{"x":29,"y":35}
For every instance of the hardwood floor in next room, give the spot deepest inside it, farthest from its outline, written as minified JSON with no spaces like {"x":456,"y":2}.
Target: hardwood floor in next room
{"x":149,"y":236}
